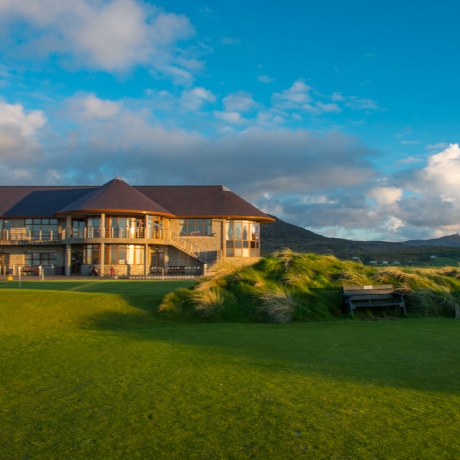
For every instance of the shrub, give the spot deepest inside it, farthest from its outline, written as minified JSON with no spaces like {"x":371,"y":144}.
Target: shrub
{"x":300,"y":287}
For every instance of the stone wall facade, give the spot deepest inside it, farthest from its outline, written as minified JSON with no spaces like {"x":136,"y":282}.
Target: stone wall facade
{"x":208,"y":250}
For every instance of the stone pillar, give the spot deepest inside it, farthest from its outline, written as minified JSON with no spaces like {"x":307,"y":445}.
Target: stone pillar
{"x":146,"y":226}
{"x":68,"y":227}
{"x":68,"y":258}
{"x":223,"y":239}
{"x":146,"y":259}
{"x":102,"y":248}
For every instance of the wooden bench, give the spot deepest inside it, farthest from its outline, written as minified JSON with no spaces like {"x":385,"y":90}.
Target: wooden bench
{"x":30,"y":270}
{"x":372,"y":296}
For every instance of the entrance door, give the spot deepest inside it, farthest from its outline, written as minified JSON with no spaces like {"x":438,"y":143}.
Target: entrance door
{"x":154,"y":259}
{"x":4,"y":262}
{"x":157,"y":262}
{"x":77,"y":260}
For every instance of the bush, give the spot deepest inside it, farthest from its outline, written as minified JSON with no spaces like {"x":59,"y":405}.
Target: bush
{"x":291,"y":286}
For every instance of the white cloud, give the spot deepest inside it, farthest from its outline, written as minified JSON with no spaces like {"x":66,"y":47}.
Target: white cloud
{"x":438,"y":146}
{"x":325,"y":108}
{"x":112,"y":36}
{"x":337,"y":97}
{"x":14,"y":116}
{"x":230,"y":41}
{"x":233,"y":118}
{"x":195,"y":98}
{"x":265,"y":79}
{"x":356,"y":103}
{"x":385,"y":195}
{"x":300,"y":97}
{"x":410,"y":160}
{"x":18,"y":138}
{"x":93,"y":107}
{"x":239,"y":102}
{"x":443,"y":171}
{"x":295,"y":96}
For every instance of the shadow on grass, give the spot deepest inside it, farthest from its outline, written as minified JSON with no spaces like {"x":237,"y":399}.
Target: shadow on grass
{"x":420,"y":354}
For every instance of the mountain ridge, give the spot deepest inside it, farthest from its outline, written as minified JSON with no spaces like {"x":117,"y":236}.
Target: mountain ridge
{"x":282,"y":235}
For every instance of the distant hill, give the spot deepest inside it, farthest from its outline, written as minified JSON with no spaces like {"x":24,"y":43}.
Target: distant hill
{"x":451,"y":241}
{"x":281,"y":235}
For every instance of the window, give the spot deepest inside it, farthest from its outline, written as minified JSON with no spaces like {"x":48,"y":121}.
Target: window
{"x":42,"y":228}
{"x":4,"y":228}
{"x":196,"y":227}
{"x":78,"y":228}
{"x":40,"y":258}
{"x":91,"y":254}
{"x":93,"y":227}
{"x":242,"y":239}
{"x":125,"y":254}
{"x":121,"y":227}
{"x":156,"y":226}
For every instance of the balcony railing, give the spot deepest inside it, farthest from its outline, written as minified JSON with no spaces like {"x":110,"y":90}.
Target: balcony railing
{"x":21,"y":235}
{"x":121,"y":232}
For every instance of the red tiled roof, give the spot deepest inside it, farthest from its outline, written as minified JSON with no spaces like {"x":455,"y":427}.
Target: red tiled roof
{"x":118,"y":196}
{"x":115,"y":196}
{"x":202,"y":201}
{"x":37,"y":201}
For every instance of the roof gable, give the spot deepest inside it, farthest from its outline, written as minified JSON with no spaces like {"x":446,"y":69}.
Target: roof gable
{"x":203,"y":201}
{"x":115,"y":195}
{"x":118,"y":197}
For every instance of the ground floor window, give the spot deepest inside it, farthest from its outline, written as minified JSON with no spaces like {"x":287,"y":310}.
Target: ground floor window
{"x":195,"y":227}
{"x":131,"y":254}
{"x":91,"y":254}
{"x":242,"y":239}
{"x":40,"y":258}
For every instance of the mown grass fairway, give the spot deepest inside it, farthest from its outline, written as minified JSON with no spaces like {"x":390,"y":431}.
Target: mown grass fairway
{"x":99,"y":375}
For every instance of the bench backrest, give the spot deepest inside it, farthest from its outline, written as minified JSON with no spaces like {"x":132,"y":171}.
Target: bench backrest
{"x":368,"y":290}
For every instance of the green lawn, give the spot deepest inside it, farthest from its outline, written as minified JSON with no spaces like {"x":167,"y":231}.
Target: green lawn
{"x":89,"y":371}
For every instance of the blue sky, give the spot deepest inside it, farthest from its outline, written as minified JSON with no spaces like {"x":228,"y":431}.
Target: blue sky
{"x":340,"y":117}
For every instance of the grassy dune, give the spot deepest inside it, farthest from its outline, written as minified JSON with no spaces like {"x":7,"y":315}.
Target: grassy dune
{"x":303,"y":287}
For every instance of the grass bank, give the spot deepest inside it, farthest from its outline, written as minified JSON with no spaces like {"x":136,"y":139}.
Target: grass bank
{"x":303,"y":287}
{"x":91,"y":375}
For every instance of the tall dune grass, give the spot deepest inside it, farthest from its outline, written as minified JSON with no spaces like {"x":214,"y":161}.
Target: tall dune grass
{"x":291,"y":286}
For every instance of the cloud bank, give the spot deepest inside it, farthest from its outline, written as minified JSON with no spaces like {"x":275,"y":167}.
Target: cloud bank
{"x":111,"y":36}
{"x":326,"y":182}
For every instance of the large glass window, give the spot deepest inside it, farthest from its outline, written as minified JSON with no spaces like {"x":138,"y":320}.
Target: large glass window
{"x":4,"y":228}
{"x":40,"y":258}
{"x":156,"y":226}
{"x":42,"y":229}
{"x":242,"y":239}
{"x":78,"y":228}
{"x":93,"y":227}
{"x":121,"y":227}
{"x":91,"y":254}
{"x":195,"y":227}
{"x":131,"y":254}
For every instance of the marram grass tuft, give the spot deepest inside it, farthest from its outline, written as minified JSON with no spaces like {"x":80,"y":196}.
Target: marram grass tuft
{"x":291,"y":286}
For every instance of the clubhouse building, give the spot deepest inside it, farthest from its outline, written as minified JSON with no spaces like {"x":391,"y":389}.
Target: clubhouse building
{"x":126,"y":230}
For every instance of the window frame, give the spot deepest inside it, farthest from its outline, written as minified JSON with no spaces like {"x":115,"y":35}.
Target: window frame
{"x":195,"y":227}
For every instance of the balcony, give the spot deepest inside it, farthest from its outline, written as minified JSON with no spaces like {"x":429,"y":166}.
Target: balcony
{"x":21,"y":236}
{"x":117,"y":233}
